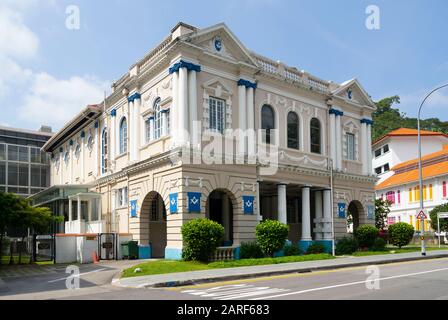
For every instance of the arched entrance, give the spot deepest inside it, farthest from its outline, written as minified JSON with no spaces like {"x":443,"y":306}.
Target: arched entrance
{"x":153,"y":209}
{"x":219,"y":208}
{"x":355,"y":210}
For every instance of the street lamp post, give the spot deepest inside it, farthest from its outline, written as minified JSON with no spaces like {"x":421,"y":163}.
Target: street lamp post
{"x":420,"y":167}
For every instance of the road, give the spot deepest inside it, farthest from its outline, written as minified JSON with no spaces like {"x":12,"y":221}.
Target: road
{"x":418,"y":280}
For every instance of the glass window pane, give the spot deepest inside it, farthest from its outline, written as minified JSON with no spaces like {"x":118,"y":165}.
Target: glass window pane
{"x":23,"y":175}
{"x":44,"y":179}
{"x":293,"y":130}
{"x":13,"y":173}
{"x":13,"y":153}
{"x":315,"y":136}
{"x":35,"y":176}
{"x":23,"y":154}
{"x":2,"y":152}
{"x":2,"y":172}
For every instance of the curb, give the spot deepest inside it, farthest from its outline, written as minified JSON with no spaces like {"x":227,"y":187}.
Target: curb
{"x":169,"y":284}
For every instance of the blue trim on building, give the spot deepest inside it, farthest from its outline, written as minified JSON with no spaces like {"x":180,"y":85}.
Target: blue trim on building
{"x":184,"y":64}
{"x":61,"y":149}
{"x":165,"y":111}
{"x":97,"y":125}
{"x":328,"y":244}
{"x":247,"y":84}
{"x":336,"y":112}
{"x":113,"y":113}
{"x":71,"y":142}
{"x":304,"y":245}
{"x":144,"y":252}
{"x":83,"y":134}
{"x":173,"y":254}
{"x":367,"y":121}
{"x":134,"y":97}
{"x":237,"y":253}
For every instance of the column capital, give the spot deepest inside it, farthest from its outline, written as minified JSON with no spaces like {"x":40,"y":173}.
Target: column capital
{"x":366,"y":121}
{"x":135,"y":96}
{"x":336,"y":112}
{"x":184,"y":64}
{"x":83,"y":134}
{"x":113,"y":113}
{"x":306,"y":187}
{"x":247,"y":84}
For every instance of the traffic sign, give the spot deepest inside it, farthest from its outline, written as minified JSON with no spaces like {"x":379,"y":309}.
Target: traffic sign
{"x":422,"y":216}
{"x":443,"y":215}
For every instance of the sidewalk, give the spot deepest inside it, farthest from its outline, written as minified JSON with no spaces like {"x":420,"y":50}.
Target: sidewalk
{"x":214,"y":275}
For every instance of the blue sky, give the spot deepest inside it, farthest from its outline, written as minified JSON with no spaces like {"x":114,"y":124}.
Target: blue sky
{"x":48,"y":72}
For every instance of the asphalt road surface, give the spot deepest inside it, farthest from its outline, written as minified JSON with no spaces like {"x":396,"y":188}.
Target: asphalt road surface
{"x":418,"y":280}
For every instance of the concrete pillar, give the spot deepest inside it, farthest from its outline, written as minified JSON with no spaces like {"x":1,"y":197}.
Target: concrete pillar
{"x":250,"y":109}
{"x":136,"y":129}
{"x":364,"y":149}
{"x":61,"y":168}
{"x":242,"y":123}
{"x":327,"y":214}
{"x":96,"y":151}
{"x":175,"y":110}
{"x":90,"y":210}
{"x":306,"y":215}
{"x":338,"y":143}
{"x":319,"y":213}
{"x":333,"y":139}
{"x":79,"y":209}
{"x":282,"y":213}
{"x":70,"y":210}
{"x":192,"y":102}
{"x":71,"y":160}
{"x":183,"y":105}
{"x":114,"y":137}
{"x":369,"y":148}
{"x":83,"y":174}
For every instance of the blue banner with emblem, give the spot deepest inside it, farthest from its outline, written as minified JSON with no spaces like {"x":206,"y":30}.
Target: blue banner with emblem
{"x":371,"y":212}
{"x":173,"y":203}
{"x":248,"y":204}
{"x":133,"y":204}
{"x":194,"y":202}
{"x":341,"y":210}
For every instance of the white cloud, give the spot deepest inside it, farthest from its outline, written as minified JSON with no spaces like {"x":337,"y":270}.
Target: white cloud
{"x":12,"y":75}
{"x":55,"y":101}
{"x":435,"y":105}
{"x":16,"y":39}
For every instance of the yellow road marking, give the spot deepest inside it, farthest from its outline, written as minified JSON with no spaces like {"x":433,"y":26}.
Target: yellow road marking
{"x":293,"y":275}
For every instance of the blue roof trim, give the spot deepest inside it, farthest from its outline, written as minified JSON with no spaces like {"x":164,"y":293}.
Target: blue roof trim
{"x":367,"y":121}
{"x":113,"y":113}
{"x":336,"y":112}
{"x":134,"y":97}
{"x":83,"y":134}
{"x":97,"y":125}
{"x":184,"y":64}
{"x":247,"y":84}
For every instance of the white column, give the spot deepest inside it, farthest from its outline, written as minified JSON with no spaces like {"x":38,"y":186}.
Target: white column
{"x":319,"y":213}
{"x":282,"y":215}
{"x":338,"y":143}
{"x":71,"y":160}
{"x":306,"y":214}
{"x":174,"y":109}
{"x":259,"y":217}
{"x":369,"y":148}
{"x":61,"y":168}
{"x":90,"y":210}
{"x":192,"y":102}
{"x":114,"y":138}
{"x":242,"y":118}
{"x":70,"y":210}
{"x":183,"y":104}
{"x":96,"y":153}
{"x":136,"y":129}
{"x":364,"y":149}
{"x":327,"y":214}
{"x":250,"y":109}
{"x":79,"y":208}
{"x":83,"y":174}
{"x":333,"y":139}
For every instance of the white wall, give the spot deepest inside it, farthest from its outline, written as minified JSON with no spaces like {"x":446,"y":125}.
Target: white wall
{"x":66,"y":249}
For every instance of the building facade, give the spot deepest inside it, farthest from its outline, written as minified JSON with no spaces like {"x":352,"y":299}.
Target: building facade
{"x":203,"y":127}
{"x":24,"y":168}
{"x":402,"y":145}
{"x":402,"y":189}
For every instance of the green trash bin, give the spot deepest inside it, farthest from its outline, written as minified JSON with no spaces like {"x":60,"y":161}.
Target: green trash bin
{"x":129,"y":250}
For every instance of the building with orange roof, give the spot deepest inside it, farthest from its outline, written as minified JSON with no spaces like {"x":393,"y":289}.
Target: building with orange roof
{"x":402,"y":187}
{"x":400,"y":146}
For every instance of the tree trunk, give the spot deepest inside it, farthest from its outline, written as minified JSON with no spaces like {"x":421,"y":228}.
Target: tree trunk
{"x":11,"y":258}
{"x":1,"y":247}
{"x":20,"y":250}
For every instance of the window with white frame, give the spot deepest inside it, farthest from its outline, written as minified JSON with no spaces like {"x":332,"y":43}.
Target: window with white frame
{"x":148,"y":129}
{"x":217,"y":114}
{"x":122,"y":197}
{"x":350,"y":141}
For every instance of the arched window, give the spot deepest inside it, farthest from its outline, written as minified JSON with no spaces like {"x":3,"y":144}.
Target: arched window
{"x":268,"y":123}
{"x":123,"y":136}
{"x":315,"y":136}
{"x":293,"y":131}
{"x":157,"y":119}
{"x":104,"y":148}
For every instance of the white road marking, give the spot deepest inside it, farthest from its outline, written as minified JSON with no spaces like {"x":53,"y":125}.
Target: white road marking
{"x":349,"y":284}
{"x":81,"y":274}
{"x":232,"y":292}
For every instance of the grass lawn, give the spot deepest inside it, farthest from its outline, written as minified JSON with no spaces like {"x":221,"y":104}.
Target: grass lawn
{"x":166,"y":266}
{"x":394,"y":250}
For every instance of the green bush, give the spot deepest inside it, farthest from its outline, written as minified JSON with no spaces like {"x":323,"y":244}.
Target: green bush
{"x":315,"y":248}
{"x":251,"y":250}
{"x":400,"y":234}
{"x":291,"y":250}
{"x":379,"y":245}
{"x":365,"y":235}
{"x":271,"y":236}
{"x":346,"y":245}
{"x":201,"y":237}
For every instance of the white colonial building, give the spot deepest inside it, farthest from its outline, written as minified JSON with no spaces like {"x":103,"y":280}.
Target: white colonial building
{"x":203,"y":127}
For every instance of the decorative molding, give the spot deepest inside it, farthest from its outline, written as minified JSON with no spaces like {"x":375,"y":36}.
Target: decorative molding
{"x":367,"y":121}
{"x":247,"y":84}
{"x":135,"y":96}
{"x":184,"y":64}
{"x":336,"y":112}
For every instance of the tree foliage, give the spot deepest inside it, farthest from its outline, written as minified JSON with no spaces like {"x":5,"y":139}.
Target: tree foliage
{"x":400,"y":234}
{"x":443,"y":222}
{"x":382,"y":210}
{"x":271,"y":236}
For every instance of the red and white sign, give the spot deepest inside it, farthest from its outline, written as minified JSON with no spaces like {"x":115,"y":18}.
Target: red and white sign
{"x":422,"y":216}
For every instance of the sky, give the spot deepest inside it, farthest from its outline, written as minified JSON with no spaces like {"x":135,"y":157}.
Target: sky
{"x":50,"y":70}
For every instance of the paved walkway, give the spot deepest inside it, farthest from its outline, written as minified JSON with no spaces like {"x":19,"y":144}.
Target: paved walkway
{"x":188,"y":278}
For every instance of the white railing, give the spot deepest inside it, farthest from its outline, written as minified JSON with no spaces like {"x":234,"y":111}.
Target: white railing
{"x":224,"y":254}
